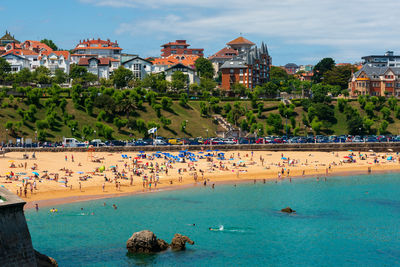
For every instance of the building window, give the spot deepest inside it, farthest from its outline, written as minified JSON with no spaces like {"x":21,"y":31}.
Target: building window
{"x":389,"y":85}
{"x":231,"y":71}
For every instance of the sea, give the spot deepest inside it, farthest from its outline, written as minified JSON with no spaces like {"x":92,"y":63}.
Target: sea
{"x":341,"y":221}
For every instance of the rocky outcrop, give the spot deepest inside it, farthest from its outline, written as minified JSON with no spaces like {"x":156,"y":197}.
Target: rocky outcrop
{"x":145,"y":242}
{"x":288,"y":210}
{"x":44,"y":261}
{"x":179,"y":242}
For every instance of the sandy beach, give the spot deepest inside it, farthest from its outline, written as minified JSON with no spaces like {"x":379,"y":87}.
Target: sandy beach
{"x":54,"y":178}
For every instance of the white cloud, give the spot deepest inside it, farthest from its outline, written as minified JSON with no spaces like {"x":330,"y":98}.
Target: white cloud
{"x":342,"y":25}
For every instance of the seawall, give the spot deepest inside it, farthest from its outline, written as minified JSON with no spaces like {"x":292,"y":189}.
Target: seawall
{"x":16,"y":248}
{"x":376,"y":147}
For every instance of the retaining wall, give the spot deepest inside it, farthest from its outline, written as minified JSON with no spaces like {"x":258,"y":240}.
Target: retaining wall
{"x":377,"y":147}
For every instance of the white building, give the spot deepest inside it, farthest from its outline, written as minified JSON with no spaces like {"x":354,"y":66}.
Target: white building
{"x":191,"y":73}
{"x":17,"y":62}
{"x":386,"y":60}
{"x":101,"y":67}
{"x":98,"y":48}
{"x":56,"y":60}
{"x":139,"y":66}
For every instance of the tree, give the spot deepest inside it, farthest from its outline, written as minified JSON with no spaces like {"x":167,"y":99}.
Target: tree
{"x":50,"y":43}
{"x":383,"y":127}
{"x":121,"y":77}
{"x":165,"y":121}
{"x":119,"y":123}
{"x":392,"y":102}
{"x":323,"y":66}
{"x":204,"y":68}
{"x":278,"y":74}
{"x":339,"y":75}
{"x":316,"y":125}
{"x":386,"y":113}
{"x":369,"y":109}
{"x":367,"y":123}
{"x":271,"y":89}
{"x":87,"y":131}
{"x":77,"y":71}
{"x":166,"y":103}
{"x":238,"y":89}
{"x":60,"y":76}
{"x":275,"y":121}
{"x":5,"y":68}
{"x":23,"y":76}
{"x":179,"y":80}
{"x":183,"y":99}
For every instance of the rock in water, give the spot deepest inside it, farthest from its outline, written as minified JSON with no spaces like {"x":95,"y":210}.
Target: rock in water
{"x":145,"y":242}
{"x":45,"y":261}
{"x":179,"y":241}
{"x":287,"y":210}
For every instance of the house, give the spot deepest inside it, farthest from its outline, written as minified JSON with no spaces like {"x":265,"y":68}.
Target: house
{"x":99,"y":48}
{"x":101,"y":67}
{"x":223,"y":55}
{"x":139,"y":66}
{"x":56,"y":60}
{"x":8,"y":39}
{"x":191,"y":73}
{"x":251,"y":67}
{"x":291,"y":68}
{"x":28,"y":54}
{"x":17,"y":62}
{"x":386,"y":60}
{"x":180,"y":47}
{"x":163,"y":63}
{"x":375,"y":81}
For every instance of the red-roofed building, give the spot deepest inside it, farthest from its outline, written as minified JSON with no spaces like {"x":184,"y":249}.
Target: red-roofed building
{"x":56,"y":60}
{"x":180,"y":47}
{"x":163,"y":63}
{"x":99,"y":48}
{"x":99,"y":66}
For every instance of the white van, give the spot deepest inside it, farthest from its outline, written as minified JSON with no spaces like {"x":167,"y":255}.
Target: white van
{"x":72,"y":142}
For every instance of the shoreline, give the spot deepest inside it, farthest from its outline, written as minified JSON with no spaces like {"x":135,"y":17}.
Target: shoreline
{"x":85,"y":198}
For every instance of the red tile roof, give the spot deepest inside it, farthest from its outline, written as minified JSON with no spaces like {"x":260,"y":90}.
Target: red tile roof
{"x":97,"y":44}
{"x":225,"y":53}
{"x":36,"y":44}
{"x":240,"y":40}
{"x":187,"y":60}
{"x":84,"y":61}
{"x":177,"y":42}
{"x":22,"y":52}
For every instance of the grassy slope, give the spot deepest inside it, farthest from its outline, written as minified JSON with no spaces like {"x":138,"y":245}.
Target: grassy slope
{"x":196,"y":125}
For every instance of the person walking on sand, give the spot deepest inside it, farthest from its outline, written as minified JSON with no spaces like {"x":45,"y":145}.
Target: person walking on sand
{"x":131,"y":180}
{"x":66,"y":158}
{"x":72,"y":157}
{"x":104,"y":186}
{"x":80,"y":186}
{"x":36,"y":207}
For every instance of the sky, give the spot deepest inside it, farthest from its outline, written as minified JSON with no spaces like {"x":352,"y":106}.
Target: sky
{"x":296,"y":31}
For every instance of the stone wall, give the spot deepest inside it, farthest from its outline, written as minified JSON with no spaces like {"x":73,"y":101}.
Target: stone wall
{"x":377,"y":147}
{"x":16,"y":248}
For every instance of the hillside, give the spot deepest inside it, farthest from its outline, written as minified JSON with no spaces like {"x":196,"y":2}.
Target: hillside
{"x":196,"y":125}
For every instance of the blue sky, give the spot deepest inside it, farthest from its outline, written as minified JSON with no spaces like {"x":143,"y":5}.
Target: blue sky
{"x":299,"y":31}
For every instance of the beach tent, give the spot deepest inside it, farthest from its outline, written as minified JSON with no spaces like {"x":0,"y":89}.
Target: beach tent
{"x":284,"y":158}
{"x":35,"y":173}
{"x":390,"y":158}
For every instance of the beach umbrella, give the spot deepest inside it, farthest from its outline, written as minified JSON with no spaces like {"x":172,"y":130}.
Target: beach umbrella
{"x":284,"y":158}
{"x":35,"y":173}
{"x":10,"y":161}
{"x":391,"y":150}
{"x":80,"y":172}
{"x":141,"y":152}
{"x":158,"y":152}
{"x":208,"y":150}
{"x":201,"y":152}
{"x":370,"y":150}
{"x":216,"y":149}
{"x":347,"y":157}
{"x":390,"y":158}
{"x":240,"y":161}
{"x":112,"y":167}
{"x":350,"y":150}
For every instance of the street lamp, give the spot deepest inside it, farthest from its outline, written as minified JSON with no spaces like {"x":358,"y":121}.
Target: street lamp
{"x":7,"y":137}
{"x":36,"y":137}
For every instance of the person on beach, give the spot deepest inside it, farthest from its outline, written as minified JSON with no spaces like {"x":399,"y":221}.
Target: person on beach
{"x":36,"y":207}
{"x":80,"y":186}
{"x":114,"y":206}
{"x":72,"y":157}
{"x":104,"y":186}
{"x":66,"y":158}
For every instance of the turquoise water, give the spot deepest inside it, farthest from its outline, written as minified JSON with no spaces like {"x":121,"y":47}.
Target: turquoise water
{"x":345,"y":221}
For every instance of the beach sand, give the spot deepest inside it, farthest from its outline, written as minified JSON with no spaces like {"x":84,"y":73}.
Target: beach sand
{"x":51,"y":192}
